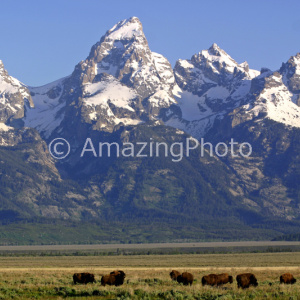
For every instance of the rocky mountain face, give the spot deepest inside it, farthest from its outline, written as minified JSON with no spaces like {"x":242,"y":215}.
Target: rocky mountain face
{"x":210,"y":84}
{"x":13,"y":96}
{"x":124,"y":92}
{"x":31,"y":184}
{"x":273,"y":95}
{"x":269,"y":120}
{"x":120,"y":82}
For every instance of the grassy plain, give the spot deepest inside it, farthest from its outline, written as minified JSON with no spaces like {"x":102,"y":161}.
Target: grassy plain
{"x":147,"y":276}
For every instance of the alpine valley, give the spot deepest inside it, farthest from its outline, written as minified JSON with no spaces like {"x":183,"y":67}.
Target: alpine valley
{"x":124,"y":92}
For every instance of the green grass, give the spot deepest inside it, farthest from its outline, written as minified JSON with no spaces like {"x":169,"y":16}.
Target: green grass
{"x":147,"y":277}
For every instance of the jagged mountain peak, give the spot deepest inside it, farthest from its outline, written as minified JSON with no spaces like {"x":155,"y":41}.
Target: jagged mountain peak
{"x":295,"y":60}
{"x":273,"y":95}
{"x":121,"y":81}
{"x":13,"y":94}
{"x":244,"y":65}
{"x":215,"y":50}
{"x":125,"y":30}
{"x":3,"y":71}
{"x":119,"y":39}
{"x":291,"y":74}
{"x":214,"y":46}
{"x":124,"y":53}
{"x":211,"y":67}
{"x":292,"y":66}
{"x":217,"y":58}
{"x":212,"y":83}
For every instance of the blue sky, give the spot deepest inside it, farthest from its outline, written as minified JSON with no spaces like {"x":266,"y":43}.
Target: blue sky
{"x":42,"y":41}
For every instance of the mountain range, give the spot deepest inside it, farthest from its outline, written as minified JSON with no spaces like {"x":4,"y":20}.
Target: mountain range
{"x":124,"y":92}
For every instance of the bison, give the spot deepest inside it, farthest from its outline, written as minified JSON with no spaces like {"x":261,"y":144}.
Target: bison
{"x":224,"y":278}
{"x":216,"y":279}
{"x":287,"y":278}
{"x":174,"y":274}
{"x":185,"y":278}
{"x":83,"y":278}
{"x":211,"y":279}
{"x":114,"y":278}
{"x":245,"y":280}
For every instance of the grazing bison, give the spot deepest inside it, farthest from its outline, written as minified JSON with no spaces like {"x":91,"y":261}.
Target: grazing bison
{"x":174,"y":274}
{"x":120,"y":276}
{"x":83,"y":278}
{"x":114,"y":278}
{"x":245,"y":280}
{"x":211,"y":279}
{"x":185,"y":278}
{"x":224,"y":278}
{"x":287,"y":278}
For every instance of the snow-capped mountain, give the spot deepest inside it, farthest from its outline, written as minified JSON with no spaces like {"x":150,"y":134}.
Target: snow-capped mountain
{"x":13,"y":96}
{"x":123,"y":82}
{"x":121,"y":92}
{"x":124,"y":53}
{"x":210,"y":84}
{"x":272,"y":98}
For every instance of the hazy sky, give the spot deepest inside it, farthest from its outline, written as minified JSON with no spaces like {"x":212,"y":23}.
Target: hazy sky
{"x":42,"y":41}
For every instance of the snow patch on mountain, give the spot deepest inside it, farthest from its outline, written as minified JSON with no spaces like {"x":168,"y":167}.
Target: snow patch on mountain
{"x":47,"y":113}
{"x":104,"y":67}
{"x":163,"y":68}
{"x":241,"y":91}
{"x":161,"y":98}
{"x":195,"y":128}
{"x":276,"y":101}
{"x":219,"y":92}
{"x":8,"y":87}
{"x":4,"y":127}
{"x":127,"y":121}
{"x":196,"y":117}
{"x":126,"y":29}
{"x":123,"y":52}
{"x":112,"y":90}
{"x":211,"y":85}
{"x":253,"y":73}
{"x":192,"y":106}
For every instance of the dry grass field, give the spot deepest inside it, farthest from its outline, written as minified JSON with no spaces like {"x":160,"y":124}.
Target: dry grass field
{"x":147,"y":276}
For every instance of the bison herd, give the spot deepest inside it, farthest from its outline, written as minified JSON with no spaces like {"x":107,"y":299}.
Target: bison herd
{"x":244,"y":280}
{"x":185,"y":278}
{"x":115,"y":278}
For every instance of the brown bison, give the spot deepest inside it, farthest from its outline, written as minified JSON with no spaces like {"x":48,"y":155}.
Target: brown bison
{"x":114,"y":278}
{"x":83,"y":278}
{"x":174,"y":274}
{"x":224,"y":278}
{"x":245,"y":280}
{"x":287,"y":278}
{"x":185,"y":278}
{"x":211,"y":279}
